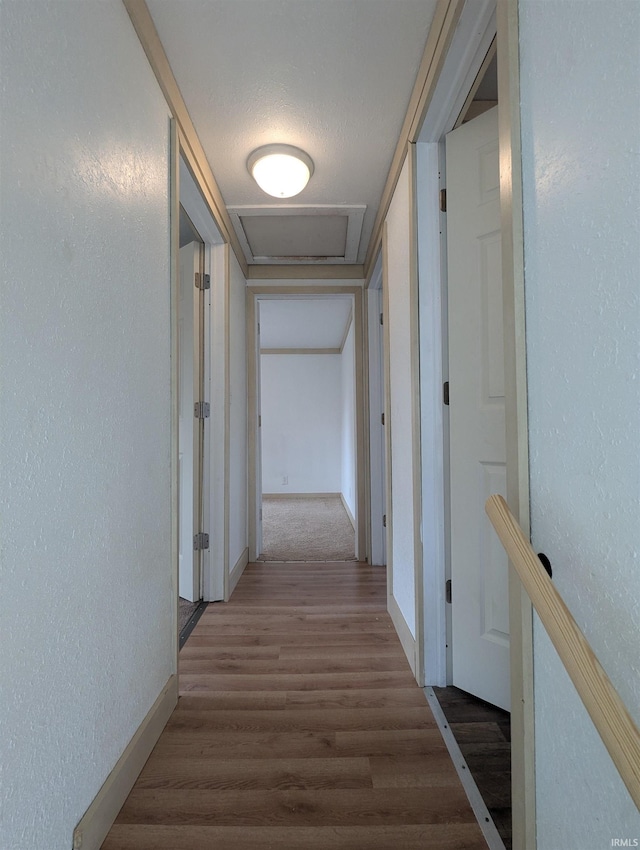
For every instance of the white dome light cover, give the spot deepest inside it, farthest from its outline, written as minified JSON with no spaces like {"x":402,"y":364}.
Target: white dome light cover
{"x":280,"y":170}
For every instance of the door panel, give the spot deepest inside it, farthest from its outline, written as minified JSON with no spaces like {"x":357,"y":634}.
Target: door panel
{"x":480,"y":614}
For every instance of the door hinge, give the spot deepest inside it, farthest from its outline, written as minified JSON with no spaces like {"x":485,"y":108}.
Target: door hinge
{"x":445,"y":393}
{"x":382,"y":418}
{"x":203,"y":281}
{"x":259,"y":421}
{"x":448,"y":590}
{"x":202,"y":410}
{"x":443,"y":200}
{"x":382,"y":318}
{"x":384,"y":521}
{"x":260,"y":514}
{"x":200,"y":541}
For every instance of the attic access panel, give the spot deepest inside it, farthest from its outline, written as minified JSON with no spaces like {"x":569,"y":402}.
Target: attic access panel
{"x":299,"y":234}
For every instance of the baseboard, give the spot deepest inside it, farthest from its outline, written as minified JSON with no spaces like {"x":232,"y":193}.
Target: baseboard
{"x":352,"y":519}
{"x":300,"y":495}
{"x":96,"y":822}
{"x":238,"y":569}
{"x":407,"y":640}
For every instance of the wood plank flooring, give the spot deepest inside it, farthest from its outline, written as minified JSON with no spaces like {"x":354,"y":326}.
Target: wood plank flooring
{"x":299,"y":727}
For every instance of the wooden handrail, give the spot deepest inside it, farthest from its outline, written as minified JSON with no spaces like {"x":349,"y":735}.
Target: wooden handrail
{"x":607,"y":711}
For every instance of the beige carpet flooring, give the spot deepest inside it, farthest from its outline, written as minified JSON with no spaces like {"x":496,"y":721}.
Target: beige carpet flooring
{"x":186,"y":610}
{"x":307,"y":528}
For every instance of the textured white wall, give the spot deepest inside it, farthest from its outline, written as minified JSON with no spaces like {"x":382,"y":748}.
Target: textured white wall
{"x":401,"y":397}
{"x":348,"y":435}
{"x":85,"y":607}
{"x":301,"y":423}
{"x":580,"y":67}
{"x":238,"y":506}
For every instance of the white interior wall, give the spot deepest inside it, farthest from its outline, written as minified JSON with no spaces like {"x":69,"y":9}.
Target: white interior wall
{"x":301,"y":401}
{"x":581,"y":173}
{"x":401,"y":398}
{"x":348,"y":423}
{"x":238,"y":422}
{"x":86,"y":613}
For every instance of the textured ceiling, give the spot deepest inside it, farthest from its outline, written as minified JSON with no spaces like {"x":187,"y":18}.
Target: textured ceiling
{"x":332,"y":77}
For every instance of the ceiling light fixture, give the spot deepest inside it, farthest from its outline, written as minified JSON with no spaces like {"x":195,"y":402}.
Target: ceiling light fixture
{"x":280,"y":170}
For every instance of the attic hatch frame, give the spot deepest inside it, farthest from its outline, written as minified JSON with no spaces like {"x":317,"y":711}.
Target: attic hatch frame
{"x":353,"y":213}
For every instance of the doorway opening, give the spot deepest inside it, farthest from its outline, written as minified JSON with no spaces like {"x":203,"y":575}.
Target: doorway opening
{"x":306,"y":422}
{"x":190,"y":426}
{"x":466,"y":582}
{"x":307,"y":436}
{"x":200,"y":276}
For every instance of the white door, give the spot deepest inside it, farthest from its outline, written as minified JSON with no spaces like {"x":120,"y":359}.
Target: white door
{"x":189,"y":464}
{"x":258,"y":436}
{"x":480,"y":611}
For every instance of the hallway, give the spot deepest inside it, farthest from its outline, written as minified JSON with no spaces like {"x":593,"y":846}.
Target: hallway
{"x":299,"y":725}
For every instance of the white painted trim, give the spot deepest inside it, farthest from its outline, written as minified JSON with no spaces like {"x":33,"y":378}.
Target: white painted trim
{"x":212,"y":570}
{"x":442,"y":29}
{"x":403,"y":631}
{"x":297,"y":273}
{"x":470,"y":44}
{"x":96,"y":822}
{"x":387,"y":411}
{"x":432,"y":416}
{"x":377,"y":494}
{"x":174,"y":298}
{"x":226,"y":405}
{"x":346,"y":329}
{"x":523,"y":784}
{"x":238,"y":568}
{"x":433,"y":126}
{"x":300,"y":495}
{"x":189,"y":141}
{"x":352,"y":519}
{"x":354,"y":214}
{"x":301,"y":350}
{"x":485,"y":821}
{"x":416,"y":424}
{"x":214,"y":590}
{"x":195,"y":207}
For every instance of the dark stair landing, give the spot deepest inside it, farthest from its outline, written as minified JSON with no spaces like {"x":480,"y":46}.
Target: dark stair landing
{"x":483,"y":733}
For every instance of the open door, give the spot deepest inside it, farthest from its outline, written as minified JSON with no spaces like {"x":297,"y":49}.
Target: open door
{"x":479,"y":569}
{"x":258,"y":436}
{"x":190,"y":430}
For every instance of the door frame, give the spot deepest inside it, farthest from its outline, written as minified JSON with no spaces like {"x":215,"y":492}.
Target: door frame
{"x":376,"y":405}
{"x":214,"y":561}
{"x":254,"y":293}
{"x":477,"y":24}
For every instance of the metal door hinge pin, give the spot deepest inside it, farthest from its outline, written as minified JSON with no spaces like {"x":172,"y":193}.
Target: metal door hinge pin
{"x":202,"y":410}
{"x":200,"y":541}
